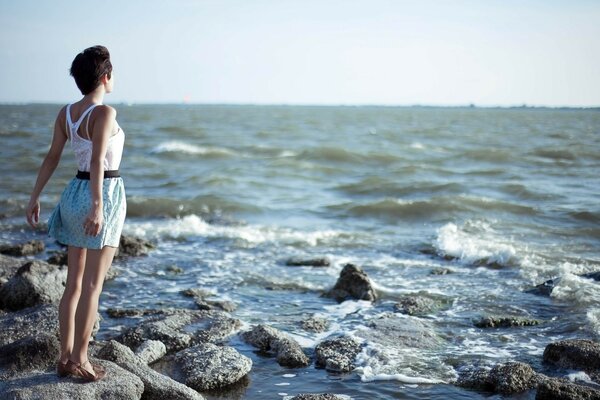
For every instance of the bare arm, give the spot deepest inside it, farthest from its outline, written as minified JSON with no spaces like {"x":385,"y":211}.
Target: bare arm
{"x":47,"y":168}
{"x":102,"y":129}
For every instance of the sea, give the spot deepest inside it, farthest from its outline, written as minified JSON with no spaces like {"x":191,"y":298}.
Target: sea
{"x":502,"y":198}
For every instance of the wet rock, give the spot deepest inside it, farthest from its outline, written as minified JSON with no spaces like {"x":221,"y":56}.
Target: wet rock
{"x":337,"y":354}
{"x":508,"y":378}
{"x":318,"y":396}
{"x":58,"y":258}
{"x":353,"y":283}
{"x":308,"y":262}
{"x":315,"y":324}
{"x":23,"y":249}
{"x":544,"y":289}
{"x":133,"y":247}
{"x":174,"y":269}
{"x":400,"y":331}
{"x":287,"y":351}
{"x":156,"y":385}
{"x":440,"y":271}
{"x":504,"y":322}
{"x":558,"y":389}
{"x":119,"y":384}
{"x":420,"y":304}
{"x":130,"y":312}
{"x":218,"y":329}
{"x":150,"y":351}
{"x":35,"y":282}
{"x":592,"y":275}
{"x":579,"y":354}
{"x":200,"y":297}
{"x":206,"y":366}
{"x":31,"y":352}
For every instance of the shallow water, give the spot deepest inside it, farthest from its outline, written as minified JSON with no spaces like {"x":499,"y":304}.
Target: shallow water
{"x":231,"y":192}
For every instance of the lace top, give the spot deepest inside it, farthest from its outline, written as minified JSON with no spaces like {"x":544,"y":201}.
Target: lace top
{"x":83,"y":147}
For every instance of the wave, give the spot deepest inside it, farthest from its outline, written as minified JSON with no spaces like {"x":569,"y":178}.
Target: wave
{"x":340,"y":155}
{"x":524,"y":192}
{"x":475,"y":243}
{"x":555,"y":154}
{"x":375,"y":185}
{"x":187,"y":148}
{"x":208,"y":205}
{"x":425,"y":209}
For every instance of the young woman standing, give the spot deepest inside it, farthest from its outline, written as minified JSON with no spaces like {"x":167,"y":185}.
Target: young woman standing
{"x":90,"y":215}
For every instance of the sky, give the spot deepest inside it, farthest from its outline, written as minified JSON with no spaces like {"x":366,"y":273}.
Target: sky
{"x":388,"y":52}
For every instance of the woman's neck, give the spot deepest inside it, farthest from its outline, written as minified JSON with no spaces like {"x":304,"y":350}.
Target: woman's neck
{"x":95,"y":97}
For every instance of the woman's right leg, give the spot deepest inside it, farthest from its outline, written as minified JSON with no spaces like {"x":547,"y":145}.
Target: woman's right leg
{"x":96,"y":266}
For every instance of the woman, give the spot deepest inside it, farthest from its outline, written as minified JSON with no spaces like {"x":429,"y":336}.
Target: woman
{"x":90,"y":215}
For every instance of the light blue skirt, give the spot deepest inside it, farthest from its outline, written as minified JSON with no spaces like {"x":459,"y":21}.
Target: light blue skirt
{"x":66,"y":221}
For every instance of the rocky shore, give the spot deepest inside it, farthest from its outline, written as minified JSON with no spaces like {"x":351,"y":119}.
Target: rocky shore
{"x":174,"y":353}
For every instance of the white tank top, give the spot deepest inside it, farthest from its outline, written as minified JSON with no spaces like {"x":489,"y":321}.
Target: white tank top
{"x":83,"y":147}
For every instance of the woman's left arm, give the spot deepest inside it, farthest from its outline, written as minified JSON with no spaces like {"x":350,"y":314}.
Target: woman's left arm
{"x":59,"y":138}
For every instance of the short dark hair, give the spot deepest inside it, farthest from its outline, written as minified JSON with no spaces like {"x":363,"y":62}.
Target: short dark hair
{"x":89,"y":66}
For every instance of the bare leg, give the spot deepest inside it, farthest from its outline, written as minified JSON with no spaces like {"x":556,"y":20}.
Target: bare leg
{"x":68,"y":302}
{"x":96,"y":266}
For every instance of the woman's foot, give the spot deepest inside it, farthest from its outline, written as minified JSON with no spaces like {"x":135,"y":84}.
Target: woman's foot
{"x":85,"y":370}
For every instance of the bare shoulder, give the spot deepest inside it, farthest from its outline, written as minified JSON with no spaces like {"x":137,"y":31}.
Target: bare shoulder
{"x":62,"y":115}
{"x":106,"y":111}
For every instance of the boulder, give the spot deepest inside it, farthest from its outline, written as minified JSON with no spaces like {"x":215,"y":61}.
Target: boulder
{"x":150,"y":351}
{"x":545,"y":288}
{"x":420,"y":304}
{"x":400,"y":331}
{"x":308,"y":262}
{"x":318,"y":396}
{"x":207,"y":366}
{"x":440,"y":271}
{"x":58,"y":258}
{"x":353,"y":283}
{"x":592,"y":275}
{"x":156,"y":385}
{"x":200,"y":297}
{"x":30,"y":352}
{"x":337,"y":354}
{"x":119,"y":384}
{"x":35,"y":282}
{"x":8,"y":267}
{"x":287,"y":351}
{"x":32,"y":321}
{"x":23,"y":249}
{"x":579,"y":354}
{"x":558,"y":389}
{"x":315,"y":324}
{"x":133,"y":247}
{"x":506,"y":379}
{"x":504,"y":322}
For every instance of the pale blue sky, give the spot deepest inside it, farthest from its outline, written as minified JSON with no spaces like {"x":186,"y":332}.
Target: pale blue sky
{"x":309,"y":52}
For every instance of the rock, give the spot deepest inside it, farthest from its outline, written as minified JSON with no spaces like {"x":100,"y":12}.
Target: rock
{"x":420,"y":304}
{"x":8,"y":267}
{"x":318,"y":396}
{"x":203,"y":303}
{"x":558,"y":389}
{"x":118,"y":384}
{"x":23,"y":249}
{"x":308,"y":262}
{"x":353,"y":283}
{"x":544,"y":289}
{"x":506,"y":379}
{"x":31,"y":352}
{"x":403,"y":332}
{"x":337,"y":354}
{"x":58,"y":258}
{"x":287,"y":351}
{"x":174,"y":269}
{"x":156,"y":385}
{"x":579,"y":354}
{"x":207,"y":366}
{"x":504,"y":322}
{"x":315,"y":324}
{"x":592,"y":275}
{"x":440,"y":271}
{"x":150,"y":351}
{"x":35,"y":282}
{"x":32,"y":321}
{"x":130,"y":312}
{"x":133,"y":247}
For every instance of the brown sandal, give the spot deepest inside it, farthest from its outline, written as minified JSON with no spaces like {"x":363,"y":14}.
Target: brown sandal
{"x":76,"y":369}
{"x":62,"y":371}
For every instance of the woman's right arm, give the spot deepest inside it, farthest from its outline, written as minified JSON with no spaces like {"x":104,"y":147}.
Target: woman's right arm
{"x":59,"y":138}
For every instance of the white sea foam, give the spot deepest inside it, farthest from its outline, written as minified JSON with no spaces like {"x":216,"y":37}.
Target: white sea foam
{"x":187,"y":148}
{"x":193,"y":225}
{"x":417,"y":145}
{"x":474,"y":242}
{"x":593,"y":317}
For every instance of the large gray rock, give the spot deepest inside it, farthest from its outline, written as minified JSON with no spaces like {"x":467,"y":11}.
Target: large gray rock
{"x":287,"y":351}
{"x":31,"y":352}
{"x":420,"y":304}
{"x":8,"y":267}
{"x":558,"y":389}
{"x":337,"y":354}
{"x":400,"y":331}
{"x":307,"y":262}
{"x":133,"y":247}
{"x":505,"y":322}
{"x":207,"y":366}
{"x":353,"y":283}
{"x":23,"y":249}
{"x":574,"y":353}
{"x":156,"y":385}
{"x":35,"y":282}
{"x":151,"y":350}
{"x":203,"y":301}
{"x":315,"y":324}
{"x":119,"y":384}
{"x":508,"y":378}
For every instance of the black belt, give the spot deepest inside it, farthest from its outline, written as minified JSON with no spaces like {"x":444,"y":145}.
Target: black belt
{"x":107,"y":174}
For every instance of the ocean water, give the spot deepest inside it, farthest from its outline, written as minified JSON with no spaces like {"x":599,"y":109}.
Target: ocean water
{"x":505,"y":198}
